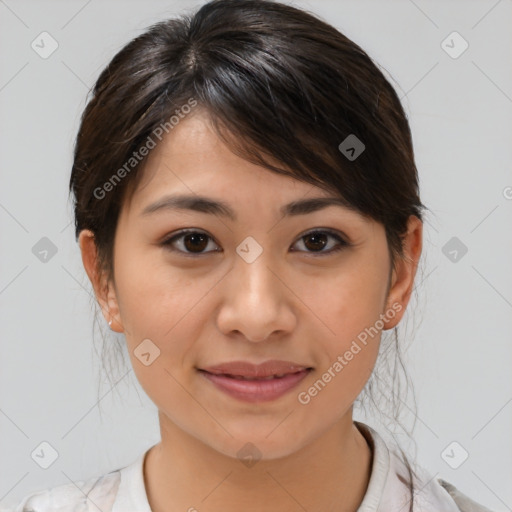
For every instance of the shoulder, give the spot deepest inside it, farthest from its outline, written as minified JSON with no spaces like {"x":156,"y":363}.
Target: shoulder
{"x":397,"y":483}
{"x":462,"y":501}
{"x":91,"y":495}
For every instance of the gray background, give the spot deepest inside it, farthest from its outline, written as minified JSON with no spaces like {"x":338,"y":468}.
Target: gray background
{"x":460,"y":113}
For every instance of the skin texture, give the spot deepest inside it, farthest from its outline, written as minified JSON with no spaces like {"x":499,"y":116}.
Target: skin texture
{"x":291,"y":304}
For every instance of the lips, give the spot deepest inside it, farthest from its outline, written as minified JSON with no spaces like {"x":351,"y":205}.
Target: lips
{"x":244,"y":370}
{"x":256,"y":383}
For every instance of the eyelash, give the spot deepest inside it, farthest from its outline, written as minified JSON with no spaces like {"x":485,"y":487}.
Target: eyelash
{"x":341,"y":242}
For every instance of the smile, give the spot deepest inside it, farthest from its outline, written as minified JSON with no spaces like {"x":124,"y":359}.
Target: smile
{"x":255,"y":389}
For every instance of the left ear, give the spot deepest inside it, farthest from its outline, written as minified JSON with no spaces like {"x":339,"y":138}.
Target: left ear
{"x":402,"y":281}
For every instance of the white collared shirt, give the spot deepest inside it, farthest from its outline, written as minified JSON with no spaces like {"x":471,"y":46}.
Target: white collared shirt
{"x":123,"y":490}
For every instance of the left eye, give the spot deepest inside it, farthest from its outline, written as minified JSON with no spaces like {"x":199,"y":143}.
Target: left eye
{"x":192,"y":242}
{"x":317,"y":241}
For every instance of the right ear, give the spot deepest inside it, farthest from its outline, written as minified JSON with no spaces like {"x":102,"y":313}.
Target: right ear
{"x":103,"y":288}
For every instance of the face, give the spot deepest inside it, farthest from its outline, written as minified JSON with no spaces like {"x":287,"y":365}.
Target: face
{"x":309,"y":288}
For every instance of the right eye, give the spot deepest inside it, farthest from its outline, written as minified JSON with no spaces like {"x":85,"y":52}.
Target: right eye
{"x":190,"y":242}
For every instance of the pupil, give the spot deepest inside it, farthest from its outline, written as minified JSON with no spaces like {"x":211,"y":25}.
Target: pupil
{"x":315,"y":237}
{"x":195,"y":236}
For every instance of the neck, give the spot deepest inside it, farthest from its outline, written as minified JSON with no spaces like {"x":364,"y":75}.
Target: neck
{"x":329,"y":474}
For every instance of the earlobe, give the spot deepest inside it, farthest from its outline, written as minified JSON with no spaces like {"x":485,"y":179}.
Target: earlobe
{"x":404,"y":273}
{"x":103,"y":289}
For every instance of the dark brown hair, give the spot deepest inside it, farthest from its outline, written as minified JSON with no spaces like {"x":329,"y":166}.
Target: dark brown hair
{"x":278,"y":85}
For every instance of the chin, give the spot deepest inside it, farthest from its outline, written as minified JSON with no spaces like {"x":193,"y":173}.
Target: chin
{"x":263,"y":442}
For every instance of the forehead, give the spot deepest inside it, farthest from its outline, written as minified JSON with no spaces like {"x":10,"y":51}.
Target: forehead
{"x":192,"y":160}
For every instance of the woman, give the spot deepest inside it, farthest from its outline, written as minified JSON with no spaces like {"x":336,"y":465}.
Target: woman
{"x":267,"y":139}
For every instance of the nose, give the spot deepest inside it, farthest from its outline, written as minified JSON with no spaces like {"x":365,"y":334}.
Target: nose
{"x":256,"y":302}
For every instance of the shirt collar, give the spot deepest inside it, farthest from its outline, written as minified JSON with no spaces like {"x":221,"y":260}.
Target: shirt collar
{"x":131,"y":494}
{"x":388,"y":487}
{"x":380,"y":468}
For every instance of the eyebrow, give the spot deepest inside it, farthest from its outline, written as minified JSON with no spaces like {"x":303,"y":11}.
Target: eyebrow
{"x":212,"y":206}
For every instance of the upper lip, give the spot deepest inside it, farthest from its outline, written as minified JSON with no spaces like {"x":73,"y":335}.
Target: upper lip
{"x":265,"y":369}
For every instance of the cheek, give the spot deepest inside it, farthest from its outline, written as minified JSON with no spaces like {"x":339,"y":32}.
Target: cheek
{"x":345,"y":303}
{"x":348,"y":306}
{"x":165,"y":305}
{"x":152,"y":295}
{"x":336,"y":386}
{"x":349,"y":345}
{"x":160,"y":314}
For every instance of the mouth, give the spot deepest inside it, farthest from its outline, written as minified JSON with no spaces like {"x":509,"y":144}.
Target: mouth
{"x":256,"y":383}
{"x":242,"y":377}
{"x":244,"y":369}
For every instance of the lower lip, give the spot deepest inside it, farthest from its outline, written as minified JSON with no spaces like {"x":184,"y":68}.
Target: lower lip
{"x":256,"y":390}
